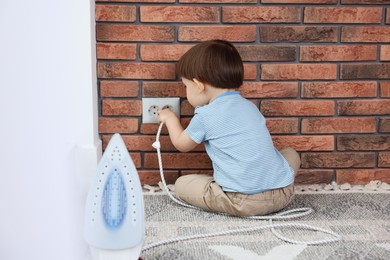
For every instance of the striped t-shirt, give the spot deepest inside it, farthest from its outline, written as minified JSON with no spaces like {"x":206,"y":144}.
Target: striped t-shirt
{"x":239,"y":145}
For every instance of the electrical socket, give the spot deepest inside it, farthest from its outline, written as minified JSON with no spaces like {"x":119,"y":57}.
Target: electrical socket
{"x":150,"y":107}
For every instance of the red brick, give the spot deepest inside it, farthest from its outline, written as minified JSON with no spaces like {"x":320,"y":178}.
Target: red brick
{"x":136,"y":157}
{"x":134,"y":33}
{"x":365,"y":71}
{"x":185,"y":121}
{"x":373,"y":34}
{"x":118,"y":125}
{"x":153,"y":177}
{"x":163,"y":89}
{"x":151,"y":129}
{"x":342,"y":15}
{"x":267,"y":53}
{"x":121,"y":108}
{"x":261,"y":14}
{"x":365,"y":2}
{"x":338,"y":125}
{"x":218,"y":1}
{"x":385,"y":53}
{"x":178,"y":161}
{"x":187,"y":172}
{"x":313,"y":177}
{"x":186,"y":109}
{"x":229,"y":33}
{"x":282,"y":125}
{"x":296,"y":108}
{"x":339,"y":89}
{"x":269,"y":89}
{"x":139,"y":1}
{"x":384,"y":125}
{"x":298,"y":1}
{"x":337,"y":160}
{"x":115,"y":13}
{"x":163,"y":52}
{"x":305,"y":143}
{"x":384,"y":159}
{"x":180,"y":14}
{"x":136,"y":143}
{"x":129,"y":70}
{"x":298,"y":34}
{"x":118,"y":88}
{"x":250,"y":71}
{"x":144,"y":143}
{"x":385,"y":89}
{"x":363,"y":107}
{"x":338,"y":53}
{"x":363,"y":142}
{"x":116,"y":51}
{"x":362,"y":176}
{"x":298,"y":71}
{"x":387,"y":16}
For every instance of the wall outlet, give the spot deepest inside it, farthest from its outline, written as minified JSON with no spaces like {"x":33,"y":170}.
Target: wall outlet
{"x":150,"y":107}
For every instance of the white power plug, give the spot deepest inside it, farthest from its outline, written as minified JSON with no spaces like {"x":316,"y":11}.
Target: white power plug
{"x":150,"y":107}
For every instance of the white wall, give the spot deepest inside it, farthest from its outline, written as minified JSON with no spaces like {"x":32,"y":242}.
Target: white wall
{"x":49,"y":144}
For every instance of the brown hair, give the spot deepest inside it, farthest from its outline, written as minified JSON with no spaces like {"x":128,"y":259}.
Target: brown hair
{"x":215,"y":62}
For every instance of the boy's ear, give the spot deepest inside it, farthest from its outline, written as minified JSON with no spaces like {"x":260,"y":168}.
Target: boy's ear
{"x":200,"y":85}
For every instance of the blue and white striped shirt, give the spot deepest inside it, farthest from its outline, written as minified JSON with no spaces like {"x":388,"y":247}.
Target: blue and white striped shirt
{"x":239,"y":145}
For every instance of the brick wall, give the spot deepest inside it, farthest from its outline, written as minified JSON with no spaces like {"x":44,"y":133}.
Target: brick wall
{"x":318,"y":70}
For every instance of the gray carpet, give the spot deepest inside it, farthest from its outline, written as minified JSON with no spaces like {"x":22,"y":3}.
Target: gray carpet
{"x":363,"y":220}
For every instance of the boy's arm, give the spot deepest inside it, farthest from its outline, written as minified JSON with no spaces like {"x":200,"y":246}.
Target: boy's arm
{"x":178,"y":136}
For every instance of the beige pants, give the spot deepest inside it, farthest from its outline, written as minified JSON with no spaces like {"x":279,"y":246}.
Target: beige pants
{"x":202,"y":191}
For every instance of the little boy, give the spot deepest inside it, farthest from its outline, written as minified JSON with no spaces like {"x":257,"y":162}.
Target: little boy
{"x":251,"y":177}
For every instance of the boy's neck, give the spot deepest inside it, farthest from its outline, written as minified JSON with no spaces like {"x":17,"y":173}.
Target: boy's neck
{"x":215,"y":92}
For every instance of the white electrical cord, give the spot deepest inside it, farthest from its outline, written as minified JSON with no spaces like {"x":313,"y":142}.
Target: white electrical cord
{"x":279,"y":216}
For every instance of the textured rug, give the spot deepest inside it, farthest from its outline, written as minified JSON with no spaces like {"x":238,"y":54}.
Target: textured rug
{"x":362,"y":219}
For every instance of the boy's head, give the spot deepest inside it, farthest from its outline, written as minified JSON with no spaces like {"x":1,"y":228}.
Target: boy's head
{"x":215,"y":62}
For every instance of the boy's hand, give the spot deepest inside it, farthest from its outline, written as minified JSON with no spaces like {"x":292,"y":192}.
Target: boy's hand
{"x":178,"y":136}
{"x":165,"y":115}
